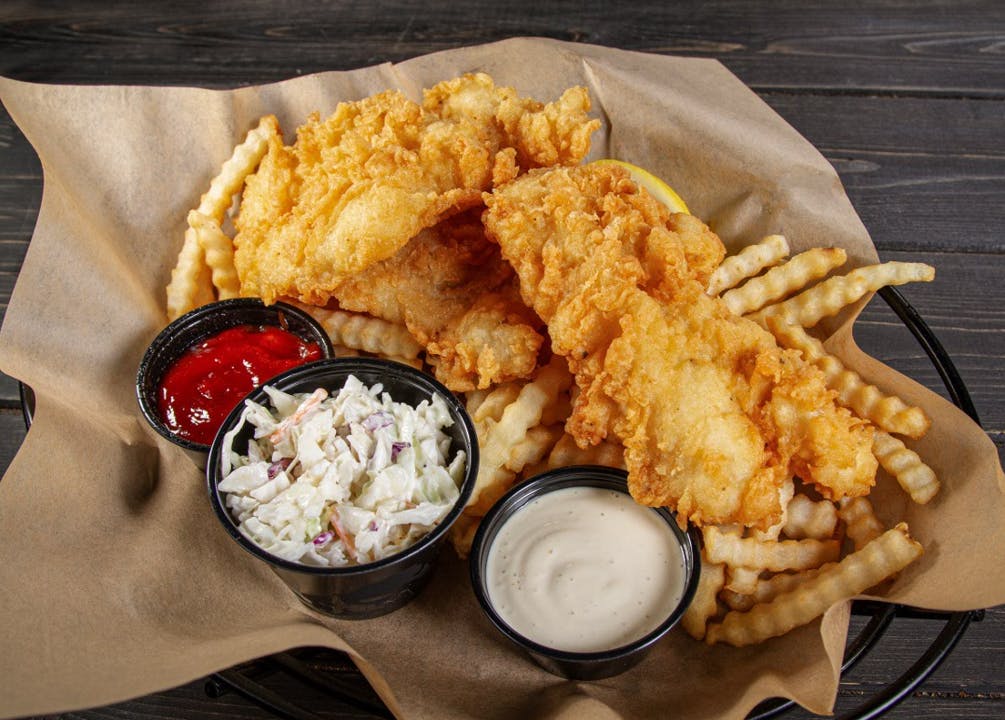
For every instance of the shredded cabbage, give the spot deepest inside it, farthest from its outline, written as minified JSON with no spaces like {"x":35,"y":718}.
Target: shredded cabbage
{"x":343,"y":480}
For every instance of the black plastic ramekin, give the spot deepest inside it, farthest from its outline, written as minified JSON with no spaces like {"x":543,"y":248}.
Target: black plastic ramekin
{"x":371,"y":589}
{"x":576,"y":665}
{"x":197,"y":325}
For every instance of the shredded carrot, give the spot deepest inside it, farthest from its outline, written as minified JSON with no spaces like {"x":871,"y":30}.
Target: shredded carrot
{"x":311,"y":402}
{"x":346,"y":538}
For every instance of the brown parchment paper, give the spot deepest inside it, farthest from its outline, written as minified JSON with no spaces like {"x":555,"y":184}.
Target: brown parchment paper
{"x":116,"y":579}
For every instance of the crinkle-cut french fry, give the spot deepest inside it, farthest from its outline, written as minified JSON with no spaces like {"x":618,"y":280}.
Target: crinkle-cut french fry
{"x":496,"y":401}
{"x":736,"y":600}
{"x":767,"y":589}
{"x":462,"y":533}
{"x":217,"y":200}
{"x":346,"y":351}
{"x":497,"y":438}
{"x":705,"y":604}
{"x":502,"y":479}
{"x":486,"y":408}
{"x":742,"y":580}
{"x":806,"y":518}
{"x":770,"y":555}
{"x":366,"y":333}
{"x":185,"y":291}
{"x":780,"y":281}
{"x":887,"y":412}
{"x":218,"y":249}
{"x":883,"y":557}
{"x":832,"y":295}
{"x":747,"y":263}
{"x":917,"y":479}
{"x":861,"y":524}
{"x":772,"y":587}
{"x":473,"y":400}
{"x":191,"y":282}
{"x":532,"y":449}
{"x":566,"y":452}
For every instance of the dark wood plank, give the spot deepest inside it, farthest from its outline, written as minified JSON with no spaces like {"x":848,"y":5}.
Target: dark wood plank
{"x":895,"y":125}
{"x":911,"y":180}
{"x":12,"y":432}
{"x":845,"y":48}
{"x":9,"y":400}
{"x":20,"y":198}
{"x":919,"y":200}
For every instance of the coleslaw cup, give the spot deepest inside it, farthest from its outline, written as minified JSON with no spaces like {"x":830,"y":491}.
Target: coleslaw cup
{"x":379,"y":587}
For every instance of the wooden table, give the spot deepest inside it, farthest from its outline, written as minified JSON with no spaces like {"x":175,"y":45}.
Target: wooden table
{"x":908,"y":103}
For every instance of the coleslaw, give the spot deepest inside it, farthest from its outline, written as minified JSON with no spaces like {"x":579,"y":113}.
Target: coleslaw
{"x":340,"y":480}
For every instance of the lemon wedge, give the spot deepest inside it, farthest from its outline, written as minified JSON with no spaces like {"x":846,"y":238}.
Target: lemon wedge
{"x":656,"y":187}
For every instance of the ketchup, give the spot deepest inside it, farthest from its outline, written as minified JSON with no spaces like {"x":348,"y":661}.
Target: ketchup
{"x":203,"y":386}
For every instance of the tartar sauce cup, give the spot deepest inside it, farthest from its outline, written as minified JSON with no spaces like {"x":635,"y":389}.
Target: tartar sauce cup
{"x":525,"y":580}
{"x":196,"y":326}
{"x":375,"y":588}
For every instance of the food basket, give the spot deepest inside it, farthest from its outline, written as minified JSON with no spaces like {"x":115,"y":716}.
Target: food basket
{"x":328,"y":678}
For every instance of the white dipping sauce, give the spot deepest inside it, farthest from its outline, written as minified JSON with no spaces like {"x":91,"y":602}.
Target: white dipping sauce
{"x":585,"y":569}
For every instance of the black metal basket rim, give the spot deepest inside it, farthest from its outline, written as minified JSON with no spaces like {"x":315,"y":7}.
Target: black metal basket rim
{"x":882,"y":614}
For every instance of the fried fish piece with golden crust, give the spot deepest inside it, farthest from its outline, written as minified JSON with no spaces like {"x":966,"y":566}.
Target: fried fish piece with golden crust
{"x":540,"y":135}
{"x":714,"y":416}
{"x":456,"y":295}
{"x":355,"y":187}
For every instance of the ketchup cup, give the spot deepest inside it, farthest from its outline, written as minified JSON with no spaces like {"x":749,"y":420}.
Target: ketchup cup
{"x":195,"y":327}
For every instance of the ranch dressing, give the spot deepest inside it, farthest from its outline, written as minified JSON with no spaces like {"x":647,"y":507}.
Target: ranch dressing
{"x":585,"y":569}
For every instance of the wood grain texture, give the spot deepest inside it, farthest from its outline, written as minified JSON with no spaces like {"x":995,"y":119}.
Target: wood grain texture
{"x":925,"y":48}
{"x":905,"y":99}
{"x":922,"y":173}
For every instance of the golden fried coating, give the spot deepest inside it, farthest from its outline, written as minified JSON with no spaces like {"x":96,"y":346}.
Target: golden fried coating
{"x":355,"y":187}
{"x":714,"y":416}
{"x":541,"y":135}
{"x":453,"y":291}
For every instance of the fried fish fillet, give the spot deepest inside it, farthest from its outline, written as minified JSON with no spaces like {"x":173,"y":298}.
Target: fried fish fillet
{"x":714,"y":416}
{"x":355,"y":187}
{"x":453,"y":291}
